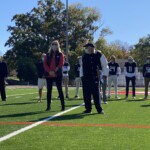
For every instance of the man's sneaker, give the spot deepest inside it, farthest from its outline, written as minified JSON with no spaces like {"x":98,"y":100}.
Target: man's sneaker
{"x":134,"y":97}
{"x":108,"y":96}
{"x":86,"y":111}
{"x":76,"y":97}
{"x":48,"y":109}
{"x":117,"y":97}
{"x":102,"y":112}
{"x":145,"y":98}
{"x":126,"y":97}
{"x":40,"y":100}
{"x":105,"y":102}
{"x":67,"y":96}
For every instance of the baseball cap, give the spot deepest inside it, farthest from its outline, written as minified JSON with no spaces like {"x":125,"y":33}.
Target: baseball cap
{"x":89,"y":45}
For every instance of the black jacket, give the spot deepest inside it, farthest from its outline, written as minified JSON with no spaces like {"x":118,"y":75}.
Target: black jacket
{"x":3,"y":70}
{"x":40,"y":69}
{"x":146,"y":70}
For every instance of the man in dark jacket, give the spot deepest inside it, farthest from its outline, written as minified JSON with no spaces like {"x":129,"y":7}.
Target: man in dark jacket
{"x":92,"y":62}
{"x":3,"y":75}
{"x":146,"y":75}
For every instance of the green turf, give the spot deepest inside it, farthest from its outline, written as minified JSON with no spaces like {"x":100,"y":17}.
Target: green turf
{"x":45,"y":137}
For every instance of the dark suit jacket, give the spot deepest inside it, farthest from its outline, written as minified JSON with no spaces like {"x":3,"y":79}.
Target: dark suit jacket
{"x":3,"y":70}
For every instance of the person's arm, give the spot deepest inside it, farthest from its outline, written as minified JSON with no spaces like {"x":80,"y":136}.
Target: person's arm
{"x":143,"y":71}
{"x":6,"y":70}
{"x":81,"y":68}
{"x":104,"y":64}
{"x":68,"y":68}
{"x":125,"y":70}
{"x":46,"y":67}
{"x":136,"y":72}
{"x":61,"y":61}
{"x":118,"y":71}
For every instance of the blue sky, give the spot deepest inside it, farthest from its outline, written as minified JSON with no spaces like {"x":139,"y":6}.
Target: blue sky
{"x":128,"y":19}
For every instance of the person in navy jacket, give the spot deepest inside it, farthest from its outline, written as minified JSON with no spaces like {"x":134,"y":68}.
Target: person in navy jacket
{"x":130,"y":72}
{"x":146,"y":75}
{"x":3,"y":76}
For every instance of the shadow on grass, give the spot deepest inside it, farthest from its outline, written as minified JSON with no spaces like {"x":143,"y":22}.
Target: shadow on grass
{"x":25,"y":103}
{"x":121,"y":99}
{"x":21,"y":114}
{"x":148,"y":105}
{"x":134,"y":100}
{"x":67,"y":117}
{"x":72,"y":116}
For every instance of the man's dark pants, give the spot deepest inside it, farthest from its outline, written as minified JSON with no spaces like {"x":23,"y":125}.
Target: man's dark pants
{"x":91,"y":87}
{"x":132,"y":79}
{"x":2,"y":89}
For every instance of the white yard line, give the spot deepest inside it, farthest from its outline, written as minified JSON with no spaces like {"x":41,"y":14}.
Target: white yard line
{"x":23,"y":94}
{"x":36,"y":124}
{"x":39,"y":122}
{"x":18,"y":96}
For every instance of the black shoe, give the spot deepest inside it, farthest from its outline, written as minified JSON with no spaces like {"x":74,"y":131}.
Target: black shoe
{"x":48,"y":109}
{"x":67,"y":96}
{"x":76,"y":97}
{"x":101,"y":112}
{"x":3,"y":99}
{"x":86,"y":111}
{"x":63,"y":108}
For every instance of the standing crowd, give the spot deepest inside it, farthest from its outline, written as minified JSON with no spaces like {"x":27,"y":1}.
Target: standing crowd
{"x":92,"y":70}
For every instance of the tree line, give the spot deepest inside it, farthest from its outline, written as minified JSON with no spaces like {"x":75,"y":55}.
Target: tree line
{"x":33,"y":32}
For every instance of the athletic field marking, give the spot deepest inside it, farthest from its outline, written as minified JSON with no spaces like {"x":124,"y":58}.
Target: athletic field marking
{"x":138,"y":92}
{"x":80,"y":125}
{"x":18,"y":96}
{"x":22,"y":94}
{"x":36,"y":124}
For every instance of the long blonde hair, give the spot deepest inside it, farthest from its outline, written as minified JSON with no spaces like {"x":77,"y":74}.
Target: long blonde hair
{"x":57,"y":42}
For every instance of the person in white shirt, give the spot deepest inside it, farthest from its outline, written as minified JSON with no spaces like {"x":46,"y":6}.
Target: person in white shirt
{"x":130,"y":72}
{"x":114,"y":72}
{"x":78,"y":78}
{"x":66,"y":69}
{"x":41,"y":76}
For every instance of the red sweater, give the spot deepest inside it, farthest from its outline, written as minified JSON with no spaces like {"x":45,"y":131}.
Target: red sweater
{"x":52,"y":66}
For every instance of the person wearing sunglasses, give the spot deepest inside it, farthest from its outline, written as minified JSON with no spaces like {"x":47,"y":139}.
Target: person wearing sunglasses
{"x":53,"y":63}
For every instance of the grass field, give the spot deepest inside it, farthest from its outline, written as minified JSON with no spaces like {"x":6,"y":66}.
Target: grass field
{"x":125,"y":125}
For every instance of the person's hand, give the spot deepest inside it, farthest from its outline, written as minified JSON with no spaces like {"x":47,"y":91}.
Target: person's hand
{"x":51,"y":73}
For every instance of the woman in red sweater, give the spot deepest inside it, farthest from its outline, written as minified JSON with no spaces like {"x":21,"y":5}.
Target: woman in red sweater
{"x":53,"y":63}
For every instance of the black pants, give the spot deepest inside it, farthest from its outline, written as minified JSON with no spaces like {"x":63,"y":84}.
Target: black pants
{"x":2,"y":89}
{"x":58,"y":82}
{"x":91,"y":87}
{"x":132,"y":79}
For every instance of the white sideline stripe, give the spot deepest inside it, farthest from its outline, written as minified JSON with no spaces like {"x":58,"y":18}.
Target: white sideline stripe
{"x":22,"y":94}
{"x":18,"y":96}
{"x":36,"y":124}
